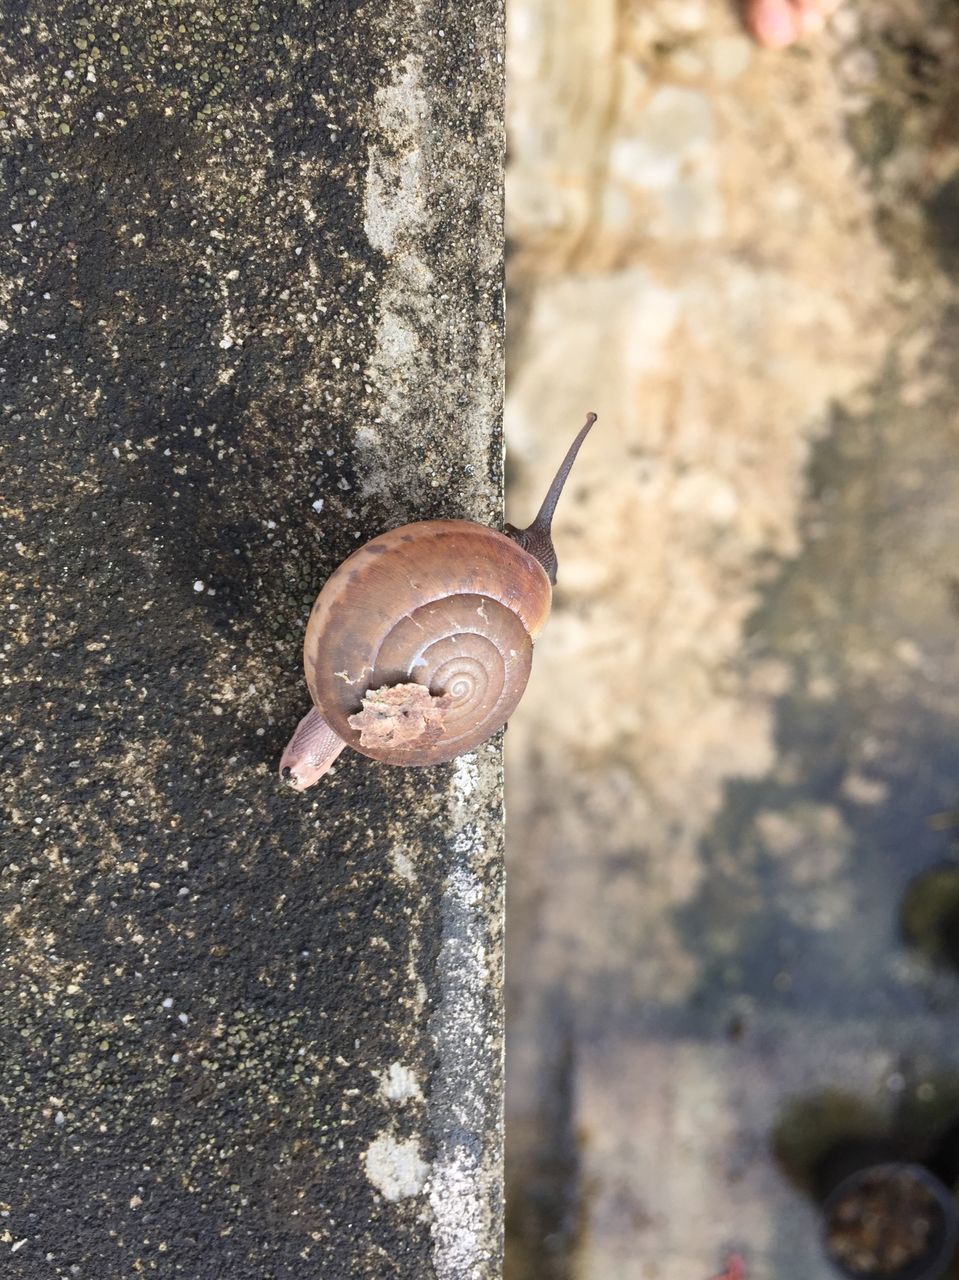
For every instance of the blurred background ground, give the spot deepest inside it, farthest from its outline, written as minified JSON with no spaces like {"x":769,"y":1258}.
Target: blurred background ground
{"x":740,"y":744}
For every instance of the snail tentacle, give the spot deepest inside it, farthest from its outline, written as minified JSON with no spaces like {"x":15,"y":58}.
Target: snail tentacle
{"x":537,"y":538}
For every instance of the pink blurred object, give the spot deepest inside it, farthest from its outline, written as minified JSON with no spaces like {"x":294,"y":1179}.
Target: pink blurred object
{"x":735,"y":1268}
{"x":779,"y":23}
{"x":774,"y":23}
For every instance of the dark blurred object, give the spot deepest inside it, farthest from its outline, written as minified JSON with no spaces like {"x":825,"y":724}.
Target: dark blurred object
{"x":930,"y":915}
{"x":885,"y":1217}
{"x":944,"y":1157}
{"x":851,"y":1155}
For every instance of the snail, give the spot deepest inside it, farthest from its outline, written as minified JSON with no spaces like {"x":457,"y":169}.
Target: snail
{"x":419,"y":645}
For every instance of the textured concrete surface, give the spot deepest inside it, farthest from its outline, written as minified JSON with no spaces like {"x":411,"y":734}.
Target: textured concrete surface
{"x":740,"y":739}
{"x":251,"y":314}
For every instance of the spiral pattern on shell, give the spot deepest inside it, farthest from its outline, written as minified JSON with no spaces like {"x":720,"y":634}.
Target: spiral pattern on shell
{"x":447,"y":604}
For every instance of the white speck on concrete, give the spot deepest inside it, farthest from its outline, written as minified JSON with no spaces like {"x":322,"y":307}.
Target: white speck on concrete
{"x":199,"y":585}
{"x":465,"y":781}
{"x":403,"y":864}
{"x":399,"y":1083}
{"x":395,"y":1167}
{"x":317,"y":505}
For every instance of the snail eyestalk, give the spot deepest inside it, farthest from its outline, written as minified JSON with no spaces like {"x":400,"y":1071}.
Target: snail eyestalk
{"x":537,"y":538}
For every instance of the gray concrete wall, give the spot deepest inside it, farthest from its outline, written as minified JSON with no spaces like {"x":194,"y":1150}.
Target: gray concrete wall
{"x":252,"y":315}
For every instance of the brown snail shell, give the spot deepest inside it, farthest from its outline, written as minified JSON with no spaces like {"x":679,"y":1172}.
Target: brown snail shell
{"x":419,"y":645}
{"x":447,"y":604}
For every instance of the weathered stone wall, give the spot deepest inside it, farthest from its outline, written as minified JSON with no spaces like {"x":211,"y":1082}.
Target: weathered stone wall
{"x":742,"y":721}
{"x":252,"y":314}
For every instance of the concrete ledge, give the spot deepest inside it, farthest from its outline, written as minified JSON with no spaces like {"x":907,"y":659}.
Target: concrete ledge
{"x":253,"y":284}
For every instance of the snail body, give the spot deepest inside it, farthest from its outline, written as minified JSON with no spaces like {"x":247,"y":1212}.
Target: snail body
{"x":420,"y":644}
